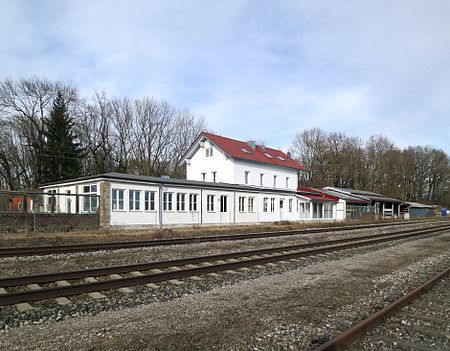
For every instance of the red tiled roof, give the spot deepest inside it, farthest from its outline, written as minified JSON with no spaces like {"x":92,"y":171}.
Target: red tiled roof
{"x":234,"y":148}
{"x":316,"y":195}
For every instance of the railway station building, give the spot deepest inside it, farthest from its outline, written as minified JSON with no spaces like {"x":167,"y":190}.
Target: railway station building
{"x":227,"y":182}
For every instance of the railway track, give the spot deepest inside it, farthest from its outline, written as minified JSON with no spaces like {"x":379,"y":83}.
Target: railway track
{"x":48,"y":250}
{"x":422,"y":325}
{"x":95,"y":280}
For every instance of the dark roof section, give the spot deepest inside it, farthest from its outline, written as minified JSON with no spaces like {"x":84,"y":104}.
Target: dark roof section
{"x":241,"y":150}
{"x":170,"y":181}
{"x":350,"y":199}
{"x":366,"y":194}
{"x":316,"y":194}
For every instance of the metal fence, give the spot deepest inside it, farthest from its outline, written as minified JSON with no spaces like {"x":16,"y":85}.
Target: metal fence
{"x":355,"y":213}
{"x":37,"y":211}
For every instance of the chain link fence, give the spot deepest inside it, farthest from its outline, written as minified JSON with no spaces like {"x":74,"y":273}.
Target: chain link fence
{"x":47,"y":212}
{"x":356,"y":213}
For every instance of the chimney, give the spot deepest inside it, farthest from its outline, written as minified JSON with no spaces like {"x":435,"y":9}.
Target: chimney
{"x":252,"y":144}
{"x":289,"y":154}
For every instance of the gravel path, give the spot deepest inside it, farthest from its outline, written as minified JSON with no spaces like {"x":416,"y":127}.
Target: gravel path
{"x":290,"y":309}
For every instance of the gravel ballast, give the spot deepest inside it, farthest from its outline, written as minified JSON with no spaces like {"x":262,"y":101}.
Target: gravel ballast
{"x":290,"y":309}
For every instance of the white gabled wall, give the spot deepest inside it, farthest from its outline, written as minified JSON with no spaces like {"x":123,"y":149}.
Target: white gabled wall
{"x":256,"y":169}
{"x":232,"y":171}
{"x":218,"y":162}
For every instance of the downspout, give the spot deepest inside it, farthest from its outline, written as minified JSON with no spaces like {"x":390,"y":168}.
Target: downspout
{"x":201,"y":206}
{"x":161,"y":206}
{"x":234,"y":207}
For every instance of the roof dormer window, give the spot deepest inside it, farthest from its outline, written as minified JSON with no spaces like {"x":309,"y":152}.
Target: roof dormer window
{"x":245,"y":150}
{"x":281,"y":158}
{"x":268,"y":155}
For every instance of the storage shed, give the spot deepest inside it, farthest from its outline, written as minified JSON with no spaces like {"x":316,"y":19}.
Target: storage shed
{"x":416,"y":210}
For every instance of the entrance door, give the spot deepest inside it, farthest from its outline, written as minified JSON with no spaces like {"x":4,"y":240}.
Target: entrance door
{"x":224,"y":214}
{"x":281,"y":209}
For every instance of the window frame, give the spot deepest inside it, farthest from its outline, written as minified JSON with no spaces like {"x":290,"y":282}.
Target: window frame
{"x":115,"y":200}
{"x":168,"y":201}
{"x":241,"y":203}
{"x":91,"y":197}
{"x":251,"y":204}
{"x":210,"y":203}
{"x":193,"y":202}
{"x":149,"y":200}
{"x":181,"y":202}
{"x":134,"y":200}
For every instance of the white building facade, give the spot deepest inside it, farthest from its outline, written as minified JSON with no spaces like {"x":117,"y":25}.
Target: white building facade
{"x":217,"y":159}
{"x":228,"y":182}
{"x":138,"y":201}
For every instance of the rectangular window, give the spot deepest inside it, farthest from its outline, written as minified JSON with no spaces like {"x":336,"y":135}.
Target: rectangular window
{"x":265,"y":204}
{"x":241,"y":204}
{"x":181,"y":198}
{"x":213,"y":175}
{"x":308,"y":210}
{"x":246,"y":177}
{"x":209,"y":152}
{"x":210,"y":203}
{"x":193,"y":202}
{"x":287,"y":182}
{"x":149,"y":200}
{"x":274,"y":181}
{"x":135,"y":200}
{"x":317,"y":210}
{"x":328,"y":210}
{"x":290,"y":205}
{"x":117,"y":200}
{"x":272,"y":204}
{"x":261,"y":179}
{"x":204,"y":177}
{"x":251,"y":204}
{"x":167,"y":202}
{"x":223,"y":203}
{"x":90,"y":198}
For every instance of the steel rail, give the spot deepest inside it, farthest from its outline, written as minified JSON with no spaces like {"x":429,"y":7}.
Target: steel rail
{"x":45,"y":278}
{"x":46,"y":293}
{"x":47,"y":250}
{"x":378,"y":317}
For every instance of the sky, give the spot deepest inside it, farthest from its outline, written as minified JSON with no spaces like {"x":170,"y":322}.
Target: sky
{"x":255,"y":70}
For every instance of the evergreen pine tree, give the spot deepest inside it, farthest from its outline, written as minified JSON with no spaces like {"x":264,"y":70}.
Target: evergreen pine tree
{"x":62,"y":151}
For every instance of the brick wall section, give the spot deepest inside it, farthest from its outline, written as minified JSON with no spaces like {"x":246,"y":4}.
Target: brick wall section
{"x":105,"y":208}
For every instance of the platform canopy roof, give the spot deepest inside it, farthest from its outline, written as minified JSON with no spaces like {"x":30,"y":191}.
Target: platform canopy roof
{"x":368,"y":195}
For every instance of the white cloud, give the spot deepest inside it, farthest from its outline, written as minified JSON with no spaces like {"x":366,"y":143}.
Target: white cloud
{"x":254,"y":69}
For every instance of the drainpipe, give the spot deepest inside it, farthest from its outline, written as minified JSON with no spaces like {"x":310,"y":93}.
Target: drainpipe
{"x":201,"y":206}
{"x":161,"y":187}
{"x":234,"y":207}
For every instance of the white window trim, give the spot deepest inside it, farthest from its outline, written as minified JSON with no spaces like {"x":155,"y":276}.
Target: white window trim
{"x":117,"y":209}
{"x":194,"y":196}
{"x":251,"y":209}
{"x":210,"y":204}
{"x":241,"y":201}
{"x":179,"y":196}
{"x":134,"y":200}
{"x":168,"y":202}
{"x":149,"y":200}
